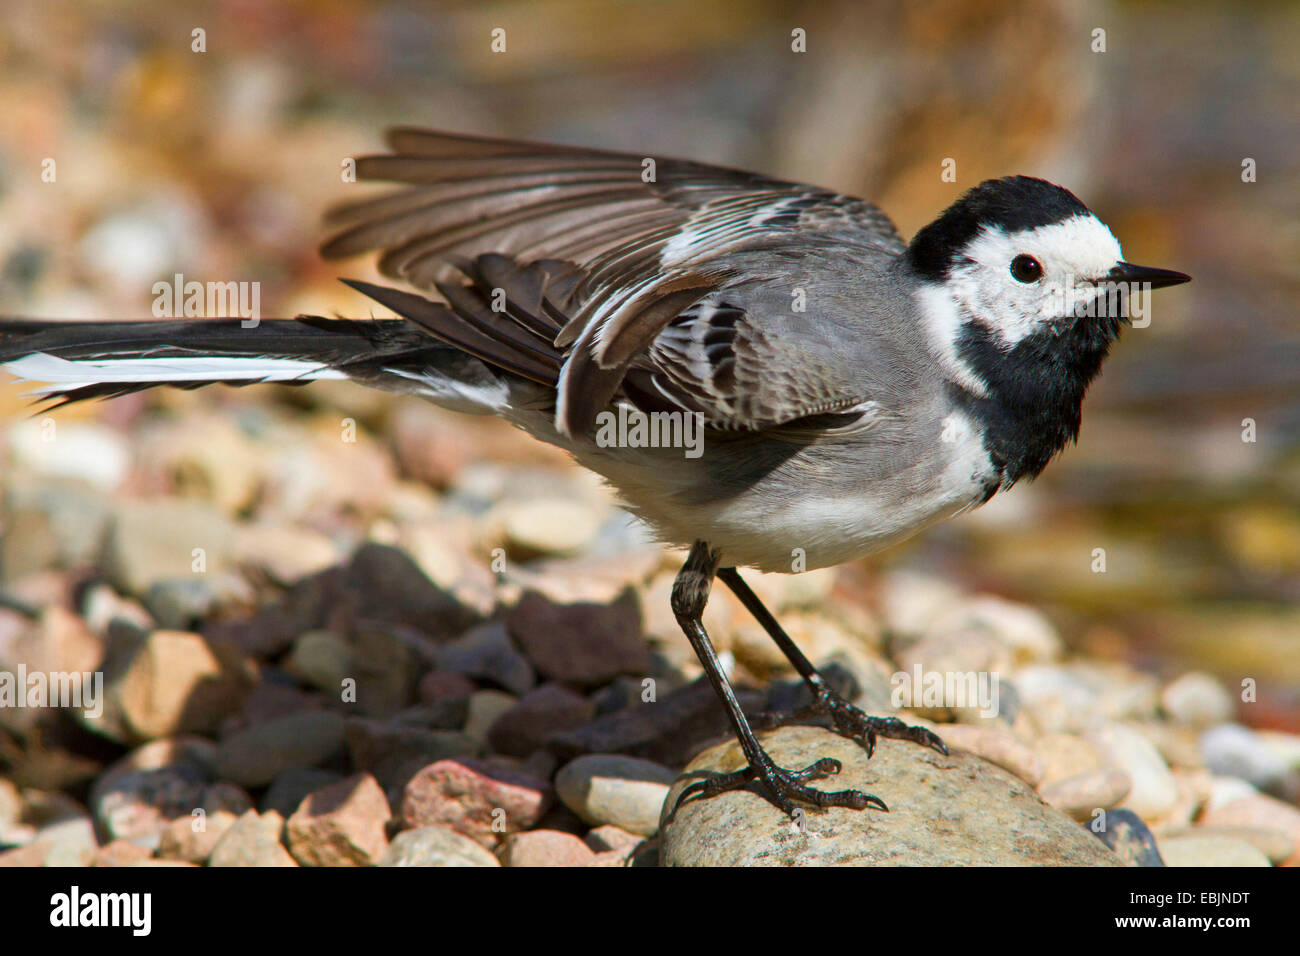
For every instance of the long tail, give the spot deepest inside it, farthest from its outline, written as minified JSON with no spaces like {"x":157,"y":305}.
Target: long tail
{"x":75,"y":361}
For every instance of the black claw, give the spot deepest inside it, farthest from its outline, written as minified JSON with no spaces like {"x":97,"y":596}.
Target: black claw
{"x":849,"y":721}
{"x":784,"y":787}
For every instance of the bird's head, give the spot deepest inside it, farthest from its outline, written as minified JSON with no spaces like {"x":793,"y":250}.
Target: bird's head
{"x":1023,"y":290}
{"x":1020,"y":256}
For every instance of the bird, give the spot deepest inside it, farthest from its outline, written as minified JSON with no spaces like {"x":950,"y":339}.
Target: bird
{"x":850,"y":388}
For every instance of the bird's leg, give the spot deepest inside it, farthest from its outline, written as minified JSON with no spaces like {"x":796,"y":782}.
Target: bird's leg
{"x":849,"y":720}
{"x":781,"y":786}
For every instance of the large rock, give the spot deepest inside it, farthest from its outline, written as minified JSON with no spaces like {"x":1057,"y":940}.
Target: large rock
{"x":957,"y":810}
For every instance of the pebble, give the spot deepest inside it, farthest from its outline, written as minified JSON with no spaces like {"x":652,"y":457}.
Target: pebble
{"x":609,"y":789}
{"x":487,"y":653}
{"x":320,"y":659}
{"x":1027,"y":632}
{"x":1274,"y":844}
{"x":394,"y":751}
{"x":1081,"y":795}
{"x":547,"y":526}
{"x":171,"y":683}
{"x":966,"y":652}
{"x":32,"y":855}
{"x":11,"y":808}
{"x":1129,"y":838}
{"x":193,"y":839}
{"x":252,"y":840}
{"x":1232,"y":750}
{"x":197,"y":754}
{"x":438,"y":686}
{"x":1197,"y":700}
{"x":1259,"y":810}
{"x":50,"y":523}
{"x":139,"y":806}
{"x":84,"y":451}
{"x":582,"y":645}
{"x":1179,"y":745}
{"x":101,"y":604}
{"x":1193,"y":790}
{"x":545,"y":848}
{"x":667,"y":730}
{"x":954,"y":810}
{"x":538,"y":716}
{"x":181,"y":603}
{"x":284,"y":552}
{"x":340,"y":825}
{"x":389,"y":588}
{"x":255,"y":756}
{"x":1153,"y":791}
{"x":289,"y":788}
{"x":435,"y":846}
{"x":486,"y":707}
{"x":1224,"y":790}
{"x":475,"y":797}
{"x":591,"y":577}
{"x":1064,"y":756}
{"x":1057,"y":700}
{"x":71,"y":842}
{"x":1200,"y":851}
{"x":997,"y":746}
{"x":386,"y":669}
{"x":612,"y":839}
{"x":156,"y":540}
{"x":910,"y":602}
{"x":121,"y":853}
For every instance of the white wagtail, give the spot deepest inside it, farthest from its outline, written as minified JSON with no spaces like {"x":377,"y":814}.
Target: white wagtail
{"x":852,"y":388}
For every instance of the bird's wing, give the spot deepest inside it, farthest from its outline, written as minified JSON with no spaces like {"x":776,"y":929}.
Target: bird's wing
{"x":741,"y":373}
{"x":612,"y":246}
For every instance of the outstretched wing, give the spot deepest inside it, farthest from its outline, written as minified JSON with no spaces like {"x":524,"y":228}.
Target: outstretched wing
{"x":610,"y":248}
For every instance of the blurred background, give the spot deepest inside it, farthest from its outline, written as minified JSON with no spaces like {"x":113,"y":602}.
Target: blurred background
{"x":217,"y":164}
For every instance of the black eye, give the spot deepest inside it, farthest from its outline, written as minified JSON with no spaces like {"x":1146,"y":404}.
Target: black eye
{"x":1026,"y":269}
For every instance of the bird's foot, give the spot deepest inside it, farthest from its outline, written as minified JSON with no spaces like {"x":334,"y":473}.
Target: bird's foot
{"x":783,"y":787}
{"x":849,"y":721}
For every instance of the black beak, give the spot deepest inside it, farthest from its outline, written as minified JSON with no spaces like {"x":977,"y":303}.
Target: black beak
{"x":1156,"y":278}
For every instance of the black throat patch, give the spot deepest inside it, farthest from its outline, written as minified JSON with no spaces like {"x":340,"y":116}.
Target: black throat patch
{"x":1033,"y":408}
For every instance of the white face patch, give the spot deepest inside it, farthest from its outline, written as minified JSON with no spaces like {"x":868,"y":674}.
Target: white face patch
{"x":1075,"y":256}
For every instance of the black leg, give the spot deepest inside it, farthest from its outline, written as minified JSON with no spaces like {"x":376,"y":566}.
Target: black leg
{"x":848,"y":720}
{"x":783,"y":787}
